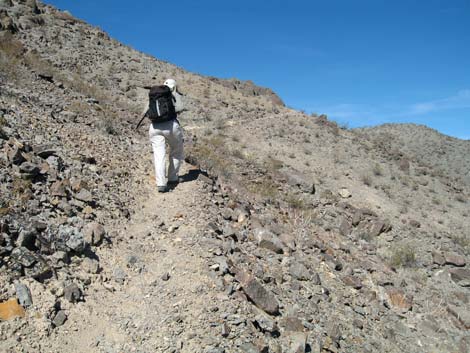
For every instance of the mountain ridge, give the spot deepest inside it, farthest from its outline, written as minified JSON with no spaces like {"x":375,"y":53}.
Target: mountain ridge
{"x":304,"y":236}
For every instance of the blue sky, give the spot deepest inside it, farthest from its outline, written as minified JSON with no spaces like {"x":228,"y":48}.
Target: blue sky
{"x":362,"y":62}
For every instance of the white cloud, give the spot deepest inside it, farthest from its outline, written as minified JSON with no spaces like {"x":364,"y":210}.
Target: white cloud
{"x":365,"y":114}
{"x":458,"y":101}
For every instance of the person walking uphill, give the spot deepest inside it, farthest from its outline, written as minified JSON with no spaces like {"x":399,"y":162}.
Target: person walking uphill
{"x":164,"y":105}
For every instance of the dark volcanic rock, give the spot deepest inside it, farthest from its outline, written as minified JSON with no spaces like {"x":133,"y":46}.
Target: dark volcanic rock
{"x":262,"y":297}
{"x":72,"y":293}
{"x":59,"y":318}
{"x":268,"y":240}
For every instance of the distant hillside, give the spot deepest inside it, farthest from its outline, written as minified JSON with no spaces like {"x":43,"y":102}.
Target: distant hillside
{"x":444,"y":154}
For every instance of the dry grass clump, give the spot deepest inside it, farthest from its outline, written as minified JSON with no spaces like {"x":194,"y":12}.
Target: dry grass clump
{"x":11,"y":51}
{"x":403,"y":256}
{"x":295,"y":202}
{"x":212,"y":154}
{"x":265,"y":188}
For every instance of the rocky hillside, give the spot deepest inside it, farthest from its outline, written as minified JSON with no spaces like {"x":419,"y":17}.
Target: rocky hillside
{"x":289,"y":234}
{"x":444,"y":154}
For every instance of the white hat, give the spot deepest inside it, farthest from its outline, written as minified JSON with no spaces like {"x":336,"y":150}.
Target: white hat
{"x":170,"y":83}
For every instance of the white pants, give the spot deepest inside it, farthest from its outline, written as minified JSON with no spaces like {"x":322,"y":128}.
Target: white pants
{"x":160,"y":134}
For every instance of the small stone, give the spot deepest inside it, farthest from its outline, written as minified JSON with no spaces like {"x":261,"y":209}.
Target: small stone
{"x":72,"y":293}
{"x":262,"y":298}
{"x":438,"y":258}
{"x":460,"y":275}
{"x":345,"y":227}
{"x":398,"y":300}
{"x":94,"y":233}
{"x":357,"y":218}
{"x":90,"y":265}
{"x":358,"y":323}
{"x":23,"y":294}
{"x":14,"y":155}
{"x":59,"y":318}
{"x":344,"y":193}
{"x":292,"y":324}
{"x":249,"y":348}
{"x":298,"y":342}
{"x":165,"y":277}
{"x":84,"y":195}
{"x":299,"y":271}
{"x":225,"y":330}
{"x":44,"y":151}
{"x":377,"y":228}
{"x":268,"y":240}
{"x":29,"y":169}
{"x":454,"y":259}
{"x":462,"y":314}
{"x":352,"y":281}
{"x":119,"y":275}
{"x":266,"y":324}
{"x":72,"y":238}
{"x":58,"y":188}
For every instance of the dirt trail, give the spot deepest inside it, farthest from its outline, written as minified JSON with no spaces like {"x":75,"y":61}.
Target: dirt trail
{"x":156,"y":283}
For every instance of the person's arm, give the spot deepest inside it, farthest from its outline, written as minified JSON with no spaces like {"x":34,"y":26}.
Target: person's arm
{"x":179,"y":106}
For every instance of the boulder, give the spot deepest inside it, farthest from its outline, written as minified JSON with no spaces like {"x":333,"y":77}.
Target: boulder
{"x":454,"y":259}
{"x":298,"y":271}
{"x":72,"y":293}
{"x":59,"y":318}
{"x":29,"y":170}
{"x":398,"y":300}
{"x":72,"y":238}
{"x":260,"y":296}
{"x":94,"y":233}
{"x":268,"y":240}
{"x":23,"y":294}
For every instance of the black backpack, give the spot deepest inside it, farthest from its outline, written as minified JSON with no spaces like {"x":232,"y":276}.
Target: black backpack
{"x":161,"y":104}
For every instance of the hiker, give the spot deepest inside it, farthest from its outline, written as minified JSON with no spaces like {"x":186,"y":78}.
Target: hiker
{"x":165,"y":128}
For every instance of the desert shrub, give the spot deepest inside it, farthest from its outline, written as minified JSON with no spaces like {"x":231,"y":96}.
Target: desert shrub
{"x":108,"y":125}
{"x":273,"y":164}
{"x":11,"y":51}
{"x":462,"y":240}
{"x":403,"y":256}
{"x":295,"y":202}
{"x":266,"y":188}
{"x":344,"y":126}
{"x":216,"y":141}
{"x":79,"y":107}
{"x":366,"y":179}
{"x":36,"y":63}
{"x":237,"y":154}
{"x":220,"y":124}
{"x":377,"y":170}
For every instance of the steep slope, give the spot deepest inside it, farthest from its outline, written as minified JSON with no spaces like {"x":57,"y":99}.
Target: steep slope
{"x":303,"y":236}
{"x":444,"y":154}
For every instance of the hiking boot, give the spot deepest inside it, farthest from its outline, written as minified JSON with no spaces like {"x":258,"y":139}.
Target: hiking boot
{"x":162,"y":189}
